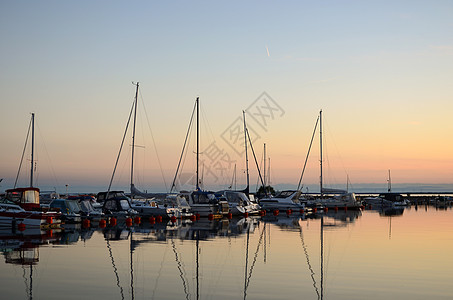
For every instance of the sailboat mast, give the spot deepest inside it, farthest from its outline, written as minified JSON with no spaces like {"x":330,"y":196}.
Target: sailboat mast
{"x":133,"y":136}
{"x":198,"y":141}
{"x":320,"y":150}
{"x":246,"y":155}
{"x":389,"y":187}
{"x":264,"y":167}
{"x":32,"y":147}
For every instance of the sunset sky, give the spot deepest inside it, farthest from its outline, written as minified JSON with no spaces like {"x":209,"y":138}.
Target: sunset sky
{"x":380,"y":71}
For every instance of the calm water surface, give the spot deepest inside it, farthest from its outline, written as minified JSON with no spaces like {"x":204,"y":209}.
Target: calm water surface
{"x":343,"y":255}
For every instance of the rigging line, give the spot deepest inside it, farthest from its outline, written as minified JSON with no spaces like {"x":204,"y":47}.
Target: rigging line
{"x":115,"y":269}
{"x":159,"y":272}
{"x":23,"y":153}
{"x":183,"y":148}
{"x":47,"y":154}
{"x":121,"y":147}
{"x":299,"y":187}
{"x":256,"y":162}
{"x":312,"y":273}
{"x":154,"y":144}
{"x":246,"y":262}
{"x":180,"y":269}
{"x":255,"y":258}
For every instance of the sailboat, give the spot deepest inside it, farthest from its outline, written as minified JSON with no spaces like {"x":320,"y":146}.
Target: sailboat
{"x":21,"y":205}
{"x":338,"y":198}
{"x":204,"y":203}
{"x":116,"y":202}
{"x":240,"y":201}
{"x":396,"y":198}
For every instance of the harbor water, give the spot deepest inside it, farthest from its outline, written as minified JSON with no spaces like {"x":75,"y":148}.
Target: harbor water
{"x":369,"y":254}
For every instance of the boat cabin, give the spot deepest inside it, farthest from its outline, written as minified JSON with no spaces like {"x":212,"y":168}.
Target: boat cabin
{"x":27,"y":198}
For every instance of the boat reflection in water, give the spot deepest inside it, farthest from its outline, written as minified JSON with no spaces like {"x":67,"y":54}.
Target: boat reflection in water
{"x":22,"y":248}
{"x":314,"y":256}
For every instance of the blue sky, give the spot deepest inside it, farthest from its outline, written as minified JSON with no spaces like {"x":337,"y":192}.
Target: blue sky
{"x":381,"y":71}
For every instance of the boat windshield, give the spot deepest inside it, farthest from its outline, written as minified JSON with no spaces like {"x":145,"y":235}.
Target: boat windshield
{"x":284,"y":194}
{"x":124,"y":204}
{"x":31,"y":196}
{"x":73,"y":206}
{"x":86,"y":206}
{"x":236,"y":197}
{"x":200,"y":198}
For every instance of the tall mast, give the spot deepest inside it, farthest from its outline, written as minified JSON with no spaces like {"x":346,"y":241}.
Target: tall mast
{"x":264,"y":167}
{"x":389,"y":187}
{"x":198,"y":142}
{"x":133,"y":136}
{"x":320,"y":149}
{"x":246,"y":155}
{"x":32,"y":147}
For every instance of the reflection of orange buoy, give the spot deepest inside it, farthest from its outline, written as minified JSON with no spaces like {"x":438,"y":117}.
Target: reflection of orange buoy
{"x":230,"y":216}
{"x":49,"y":220}
{"x":137,"y":220}
{"x":102,"y":223}
{"x":112,"y":221}
{"x":276,"y":212}
{"x":210,"y":217}
{"x":246,"y":215}
{"x":173,"y":219}
{"x":21,"y":226}
{"x":159,"y":219}
{"x":86,"y":223}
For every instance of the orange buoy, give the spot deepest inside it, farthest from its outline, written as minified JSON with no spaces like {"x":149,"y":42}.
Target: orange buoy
{"x":102,"y":223}
{"x":246,"y":215}
{"x":159,"y":219}
{"x":276,"y":212}
{"x":336,"y":208}
{"x":152,"y":220}
{"x":289,"y":211}
{"x":86,"y":223}
{"x":197,"y":215}
{"x":345,"y":208}
{"x":21,"y":226}
{"x":262,"y":213}
{"x":210,"y":217}
{"x":129,"y":222}
{"x":230,"y":216}
{"x":112,"y":221}
{"x":193,"y":218}
{"x":173,"y":219}
{"x":315,"y":210}
{"x":49,"y":220}
{"x":137,"y":220}
{"x":302,"y":210}
{"x":326,"y":209}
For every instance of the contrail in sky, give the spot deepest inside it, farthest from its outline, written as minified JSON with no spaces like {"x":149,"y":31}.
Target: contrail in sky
{"x":267,"y":49}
